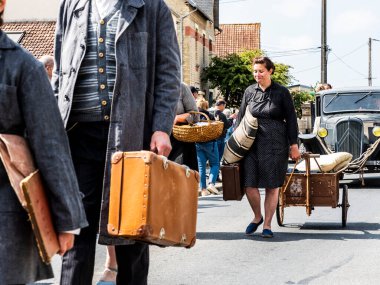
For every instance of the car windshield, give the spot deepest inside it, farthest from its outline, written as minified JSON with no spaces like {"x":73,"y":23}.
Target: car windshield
{"x":351,"y":102}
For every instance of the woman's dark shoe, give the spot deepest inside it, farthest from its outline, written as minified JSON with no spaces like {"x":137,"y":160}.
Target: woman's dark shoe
{"x":252,"y":227}
{"x":267,"y":233}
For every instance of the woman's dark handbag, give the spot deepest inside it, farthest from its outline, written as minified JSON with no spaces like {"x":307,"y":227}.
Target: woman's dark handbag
{"x":233,"y":188}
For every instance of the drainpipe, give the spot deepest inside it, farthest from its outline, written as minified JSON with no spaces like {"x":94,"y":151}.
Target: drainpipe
{"x":182,"y":37}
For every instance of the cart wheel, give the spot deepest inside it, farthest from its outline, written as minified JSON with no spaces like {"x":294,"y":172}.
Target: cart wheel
{"x":345,"y":205}
{"x":280,"y":211}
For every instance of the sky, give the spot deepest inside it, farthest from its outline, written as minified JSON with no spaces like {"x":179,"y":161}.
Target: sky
{"x":291,"y":34}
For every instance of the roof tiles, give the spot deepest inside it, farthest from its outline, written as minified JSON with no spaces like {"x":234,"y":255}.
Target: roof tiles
{"x":236,"y":38}
{"x":38,"y":38}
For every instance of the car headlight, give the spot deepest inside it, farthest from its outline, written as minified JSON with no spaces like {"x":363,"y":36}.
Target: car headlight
{"x":376,"y":131}
{"x":322,"y":132}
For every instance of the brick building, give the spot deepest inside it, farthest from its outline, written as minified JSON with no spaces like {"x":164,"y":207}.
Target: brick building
{"x":196,"y":22}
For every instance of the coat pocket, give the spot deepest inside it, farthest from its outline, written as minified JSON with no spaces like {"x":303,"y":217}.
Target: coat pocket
{"x":9,"y":106}
{"x":137,"y":49}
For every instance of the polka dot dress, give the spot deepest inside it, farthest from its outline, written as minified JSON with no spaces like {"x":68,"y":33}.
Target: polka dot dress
{"x":266,"y":163}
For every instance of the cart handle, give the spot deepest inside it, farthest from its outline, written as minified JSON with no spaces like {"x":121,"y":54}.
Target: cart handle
{"x":290,"y":177}
{"x":308,"y":155}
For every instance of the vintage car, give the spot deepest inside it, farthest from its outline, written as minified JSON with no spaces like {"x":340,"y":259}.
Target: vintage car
{"x":347,"y":120}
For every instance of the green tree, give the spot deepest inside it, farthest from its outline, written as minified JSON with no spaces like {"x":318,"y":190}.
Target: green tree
{"x":232,"y":74}
{"x":300,"y":97}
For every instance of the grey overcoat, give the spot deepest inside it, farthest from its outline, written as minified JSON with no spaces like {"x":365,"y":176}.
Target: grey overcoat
{"x":28,"y":106}
{"x":147,"y":76}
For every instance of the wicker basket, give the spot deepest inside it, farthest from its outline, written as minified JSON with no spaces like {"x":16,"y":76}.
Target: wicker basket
{"x":195,"y":133}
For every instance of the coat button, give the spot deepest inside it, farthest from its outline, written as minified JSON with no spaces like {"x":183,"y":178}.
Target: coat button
{"x":104,"y":102}
{"x":101,"y":70}
{"x":101,"y":40}
{"x":106,"y":117}
{"x":102,"y":86}
{"x":101,"y":55}
{"x":102,"y":22}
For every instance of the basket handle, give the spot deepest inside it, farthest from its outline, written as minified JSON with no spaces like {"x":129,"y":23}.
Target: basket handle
{"x":204,"y":114}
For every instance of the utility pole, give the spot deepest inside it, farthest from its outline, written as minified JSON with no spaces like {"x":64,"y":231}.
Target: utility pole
{"x":324,"y":47}
{"x":370,"y":60}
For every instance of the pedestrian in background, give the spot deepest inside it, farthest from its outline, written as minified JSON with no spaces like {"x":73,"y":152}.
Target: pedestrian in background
{"x":194,"y":91}
{"x":111,"y":53}
{"x":220,"y":107}
{"x":207,"y":151}
{"x":232,"y":118}
{"x":110,"y":268}
{"x":324,"y":86}
{"x":28,"y":108}
{"x":266,"y":163}
{"x":48,"y":62}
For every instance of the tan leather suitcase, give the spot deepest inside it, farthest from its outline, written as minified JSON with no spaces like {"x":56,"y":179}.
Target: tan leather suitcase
{"x":153,"y":199}
{"x":232,"y":182}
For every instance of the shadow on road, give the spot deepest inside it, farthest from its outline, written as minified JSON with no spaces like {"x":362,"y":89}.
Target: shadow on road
{"x":354,"y":231}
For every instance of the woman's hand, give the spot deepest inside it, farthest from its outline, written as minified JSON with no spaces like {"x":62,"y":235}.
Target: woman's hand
{"x":294,"y":152}
{"x":182,"y":118}
{"x":66,"y":242}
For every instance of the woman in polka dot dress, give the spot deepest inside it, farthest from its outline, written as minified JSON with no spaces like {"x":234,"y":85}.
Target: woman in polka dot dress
{"x":266,"y":163}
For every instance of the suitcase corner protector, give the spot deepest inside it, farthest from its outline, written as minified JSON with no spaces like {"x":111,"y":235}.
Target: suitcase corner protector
{"x":112,"y":230}
{"x":117,"y":156}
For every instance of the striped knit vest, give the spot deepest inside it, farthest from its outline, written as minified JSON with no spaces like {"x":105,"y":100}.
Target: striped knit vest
{"x":96,"y":76}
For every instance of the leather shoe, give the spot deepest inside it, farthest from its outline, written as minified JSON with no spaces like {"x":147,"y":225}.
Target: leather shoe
{"x":267,"y":233}
{"x":252,"y":227}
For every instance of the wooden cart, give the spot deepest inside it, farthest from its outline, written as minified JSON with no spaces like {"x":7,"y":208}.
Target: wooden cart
{"x":312,"y":190}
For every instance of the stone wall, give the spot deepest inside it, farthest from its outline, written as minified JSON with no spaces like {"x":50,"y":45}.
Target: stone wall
{"x":304,"y":124}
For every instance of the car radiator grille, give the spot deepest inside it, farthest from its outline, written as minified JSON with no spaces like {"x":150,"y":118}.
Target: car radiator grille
{"x":349,"y":137}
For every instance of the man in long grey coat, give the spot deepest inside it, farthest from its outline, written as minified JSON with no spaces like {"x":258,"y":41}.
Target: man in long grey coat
{"x":117,"y":79}
{"x":28,"y":106}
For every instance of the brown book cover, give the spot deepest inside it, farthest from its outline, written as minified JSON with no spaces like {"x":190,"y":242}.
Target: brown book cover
{"x":38,"y":210}
{"x":28,"y":186}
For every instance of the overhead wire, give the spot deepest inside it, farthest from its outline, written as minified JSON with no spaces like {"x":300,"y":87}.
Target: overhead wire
{"x":350,"y":67}
{"x":334,"y":60}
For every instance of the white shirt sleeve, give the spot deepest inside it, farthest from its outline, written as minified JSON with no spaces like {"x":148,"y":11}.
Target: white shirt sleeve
{"x":74,"y":232}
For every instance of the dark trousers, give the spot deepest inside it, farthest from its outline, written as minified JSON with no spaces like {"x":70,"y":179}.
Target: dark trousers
{"x":88,"y":143}
{"x":135,"y":264}
{"x":183,"y":153}
{"x":221,"y":143}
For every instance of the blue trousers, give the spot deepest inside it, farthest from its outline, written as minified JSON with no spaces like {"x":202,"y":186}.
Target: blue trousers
{"x":208,"y":151}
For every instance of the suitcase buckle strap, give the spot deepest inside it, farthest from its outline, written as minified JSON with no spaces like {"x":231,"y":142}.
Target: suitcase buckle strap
{"x":165,"y":161}
{"x":162,"y":233}
{"x":188,"y":172}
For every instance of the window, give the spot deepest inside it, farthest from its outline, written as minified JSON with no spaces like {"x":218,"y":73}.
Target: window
{"x":16,"y":36}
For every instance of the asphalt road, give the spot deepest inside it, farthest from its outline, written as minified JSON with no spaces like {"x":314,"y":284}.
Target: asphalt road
{"x":308,"y":250}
